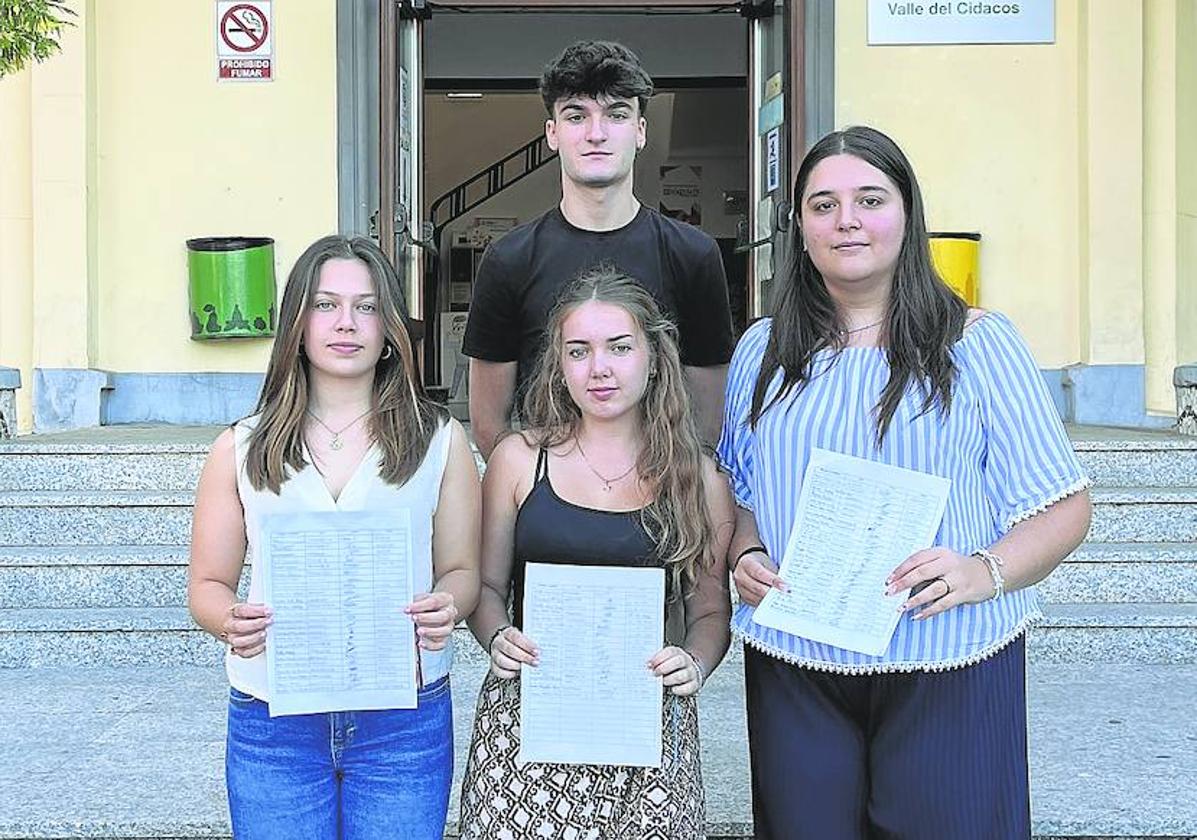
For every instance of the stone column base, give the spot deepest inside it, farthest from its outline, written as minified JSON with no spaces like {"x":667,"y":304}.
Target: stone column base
{"x":10,"y":381}
{"x":1184,"y":378}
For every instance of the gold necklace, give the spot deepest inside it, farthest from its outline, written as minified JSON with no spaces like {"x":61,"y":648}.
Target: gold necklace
{"x":336,"y":444}
{"x":607,"y":482}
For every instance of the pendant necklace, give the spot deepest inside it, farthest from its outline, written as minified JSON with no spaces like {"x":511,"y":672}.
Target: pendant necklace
{"x":336,"y":444}
{"x":843,"y":334}
{"x":607,"y":482}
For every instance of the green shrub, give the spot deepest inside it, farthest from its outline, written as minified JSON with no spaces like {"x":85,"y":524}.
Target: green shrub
{"x":29,"y":30}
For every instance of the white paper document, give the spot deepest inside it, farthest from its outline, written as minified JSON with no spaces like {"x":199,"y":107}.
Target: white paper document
{"x":592,"y":699}
{"x":857,"y":521}
{"x":338,"y":583}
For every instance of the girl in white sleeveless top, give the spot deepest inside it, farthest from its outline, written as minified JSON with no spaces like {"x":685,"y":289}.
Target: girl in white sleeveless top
{"x":342,"y":425}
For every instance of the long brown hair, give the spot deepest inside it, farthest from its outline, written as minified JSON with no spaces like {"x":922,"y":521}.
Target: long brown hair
{"x":403,"y":419}
{"x":924,"y":318}
{"x":671,"y":461}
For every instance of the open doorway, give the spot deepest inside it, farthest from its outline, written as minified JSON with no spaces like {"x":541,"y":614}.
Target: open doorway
{"x":486,"y":168}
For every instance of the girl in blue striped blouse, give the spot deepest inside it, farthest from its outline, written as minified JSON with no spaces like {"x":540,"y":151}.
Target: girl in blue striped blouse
{"x":870,"y":354}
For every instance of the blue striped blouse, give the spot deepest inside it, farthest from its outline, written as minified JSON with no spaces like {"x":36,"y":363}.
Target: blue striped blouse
{"x":1002,"y":445}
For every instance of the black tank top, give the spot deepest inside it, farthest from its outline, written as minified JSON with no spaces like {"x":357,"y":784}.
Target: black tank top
{"x":548,"y":529}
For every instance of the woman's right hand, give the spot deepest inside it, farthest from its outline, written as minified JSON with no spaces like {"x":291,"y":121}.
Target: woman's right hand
{"x":754,"y":576}
{"x":510,"y":650}
{"x":244,"y":628}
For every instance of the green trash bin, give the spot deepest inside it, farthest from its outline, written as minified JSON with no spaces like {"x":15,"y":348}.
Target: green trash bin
{"x":231,"y":284}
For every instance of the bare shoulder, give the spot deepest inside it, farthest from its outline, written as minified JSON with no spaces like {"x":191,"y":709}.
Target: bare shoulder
{"x":222,"y":454}
{"x":220,"y":468}
{"x":460,"y":449}
{"x":515,"y":452}
{"x":457,"y":434}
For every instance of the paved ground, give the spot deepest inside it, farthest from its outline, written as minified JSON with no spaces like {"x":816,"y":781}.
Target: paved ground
{"x":135,"y":752}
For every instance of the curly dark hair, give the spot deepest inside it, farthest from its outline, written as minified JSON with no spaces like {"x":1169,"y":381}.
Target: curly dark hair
{"x":594,"y":69}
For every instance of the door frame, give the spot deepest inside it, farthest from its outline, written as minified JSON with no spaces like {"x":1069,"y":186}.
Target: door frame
{"x":367,"y":62}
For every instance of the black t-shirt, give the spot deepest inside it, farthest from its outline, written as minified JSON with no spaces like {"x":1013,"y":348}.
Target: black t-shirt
{"x":522,"y":274}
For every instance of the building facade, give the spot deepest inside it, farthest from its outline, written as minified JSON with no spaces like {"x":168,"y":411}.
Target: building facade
{"x":1075,"y":160}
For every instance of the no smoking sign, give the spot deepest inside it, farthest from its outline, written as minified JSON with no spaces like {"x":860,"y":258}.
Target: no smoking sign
{"x":244,"y":41}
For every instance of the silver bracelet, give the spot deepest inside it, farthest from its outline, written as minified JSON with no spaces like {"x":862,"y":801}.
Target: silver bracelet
{"x":994,"y":564}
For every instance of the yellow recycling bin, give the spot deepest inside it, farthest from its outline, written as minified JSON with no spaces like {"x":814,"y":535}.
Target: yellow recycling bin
{"x":957,"y":258}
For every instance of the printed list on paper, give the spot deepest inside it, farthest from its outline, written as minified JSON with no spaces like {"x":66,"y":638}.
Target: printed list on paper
{"x":592,"y":698}
{"x":338,"y":583}
{"x":857,"y":521}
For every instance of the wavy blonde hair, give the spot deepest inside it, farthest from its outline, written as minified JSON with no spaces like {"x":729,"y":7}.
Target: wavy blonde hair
{"x":671,"y":461}
{"x":403,"y":419}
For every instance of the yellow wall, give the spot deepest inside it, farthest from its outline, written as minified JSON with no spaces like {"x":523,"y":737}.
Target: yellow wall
{"x":1186,"y":185}
{"x":1038,"y":147}
{"x":180,"y":155}
{"x":1160,"y":200}
{"x":1170,"y":178}
{"x":16,"y":235}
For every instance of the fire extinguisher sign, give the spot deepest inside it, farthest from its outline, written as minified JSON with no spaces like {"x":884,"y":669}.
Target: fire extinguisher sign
{"x":244,"y":41}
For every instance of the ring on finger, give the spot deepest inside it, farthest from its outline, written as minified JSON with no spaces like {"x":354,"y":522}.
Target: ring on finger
{"x":947,"y":587}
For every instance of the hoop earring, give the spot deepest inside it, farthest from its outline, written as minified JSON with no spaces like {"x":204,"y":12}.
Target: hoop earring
{"x":387,"y":352}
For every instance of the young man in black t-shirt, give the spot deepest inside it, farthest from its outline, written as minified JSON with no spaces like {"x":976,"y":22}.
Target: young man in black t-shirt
{"x":596,"y":94}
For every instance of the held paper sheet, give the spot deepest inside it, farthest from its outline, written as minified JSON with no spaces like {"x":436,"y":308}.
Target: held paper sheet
{"x":857,"y":521}
{"x":338,"y":583}
{"x":592,"y":699}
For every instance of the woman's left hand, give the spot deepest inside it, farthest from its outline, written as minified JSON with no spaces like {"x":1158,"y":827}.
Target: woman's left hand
{"x":435,"y":616}
{"x":678,"y":669}
{"x":951,"y":579}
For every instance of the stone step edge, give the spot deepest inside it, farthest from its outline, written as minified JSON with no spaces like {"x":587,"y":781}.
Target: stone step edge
{"x":1088,"y":439}
{"x":1129,"y":553}
{"x":98,"y":498}
{"x":93,"y":556}
{"x":185,"y":498}
{"x":1163,"y":444}
{"x":174,"y":619}
{"x":55,"y":556}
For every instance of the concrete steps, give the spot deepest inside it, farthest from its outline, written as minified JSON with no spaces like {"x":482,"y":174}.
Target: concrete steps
{"x":90,"y":637}
{"x":94,"y":528}
{"x":80,"y":576}
{"x":163,"y":517}
{"x":126,"y":738}
{"x":83,"y":576}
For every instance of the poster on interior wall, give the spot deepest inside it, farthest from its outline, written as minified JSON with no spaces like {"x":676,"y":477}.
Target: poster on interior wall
{"x":681,"y":193}
{"x":244,"y":41}
{"x":486,"y":229}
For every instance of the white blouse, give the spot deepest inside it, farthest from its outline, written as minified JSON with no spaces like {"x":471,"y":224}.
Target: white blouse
{"x":306,"y":491}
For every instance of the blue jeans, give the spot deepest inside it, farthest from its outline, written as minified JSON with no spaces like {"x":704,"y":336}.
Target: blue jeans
{"x":340,"y":775}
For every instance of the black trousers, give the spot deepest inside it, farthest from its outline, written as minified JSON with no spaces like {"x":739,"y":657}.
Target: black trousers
{"x":902,"y":756}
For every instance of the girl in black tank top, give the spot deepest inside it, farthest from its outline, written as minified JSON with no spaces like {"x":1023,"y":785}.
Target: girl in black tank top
{"x":608,"y":472}
{"x":548,"y":529}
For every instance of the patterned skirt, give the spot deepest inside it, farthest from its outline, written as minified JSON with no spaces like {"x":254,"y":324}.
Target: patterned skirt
{"x":501,"y":800}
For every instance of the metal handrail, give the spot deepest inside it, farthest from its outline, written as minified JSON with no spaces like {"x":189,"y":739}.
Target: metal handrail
{"x":456,"y":203}
{"x":485,"y":184}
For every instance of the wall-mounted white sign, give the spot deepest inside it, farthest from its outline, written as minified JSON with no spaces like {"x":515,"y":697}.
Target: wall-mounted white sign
{"x":244,"y":41}
{"x":962,"y":22}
